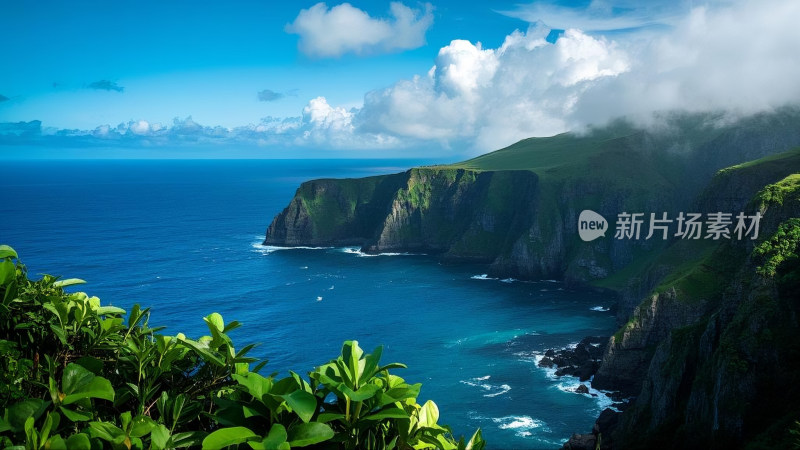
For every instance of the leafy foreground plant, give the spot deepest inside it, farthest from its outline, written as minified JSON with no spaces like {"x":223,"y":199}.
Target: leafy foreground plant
{"x":75,"y":375}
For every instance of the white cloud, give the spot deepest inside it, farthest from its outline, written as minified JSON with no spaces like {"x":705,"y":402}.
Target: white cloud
{"x":344,"y":29}
{"x":740,"y":58}
{"x":606,"y":15}
{"x":139,"y":127}
{"x":320,"y":114}
{"x":493,"y":97}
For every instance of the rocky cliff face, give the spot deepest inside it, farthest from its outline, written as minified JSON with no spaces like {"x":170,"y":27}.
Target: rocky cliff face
{"x":711,"y":356}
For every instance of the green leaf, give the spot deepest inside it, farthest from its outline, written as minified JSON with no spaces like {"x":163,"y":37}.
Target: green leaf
{"x":19,"y":412}
{"x":393,"y":366}
{"x":91,"y":364}
{"x":109,"y":310}
{"x":428,"y":414}
{"x":227,"y":436}
{"x":304,"y":434}
{"x":371,"y":365}
{"x":56,"y":443}
{"x":75,"y":377}
{"x":303,"y":404}
{"x":203,"y":351}
{"x":366,"y":392}
{"x":98,"y":387}
{"x":31,"y":437}
{"x":8,"y":271}
{"x":105,"y":431}
{"x":388,"y":413}
{"x":187,"y":439}
{"x":79,"y":441}
{"x":159,"y":437}
{"x":275,"y":440}
{"x":7,"y":252}
{"x":476,"y":442}
{"x":255,"y":384}
{"x":142,"y":426}
{"x":351,"y":354}
{"x":215,"y":320}
{"x":76,"y":416}
{"x":68,"y":282}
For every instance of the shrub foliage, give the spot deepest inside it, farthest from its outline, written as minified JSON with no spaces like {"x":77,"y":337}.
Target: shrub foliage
{"x":78,"y":375}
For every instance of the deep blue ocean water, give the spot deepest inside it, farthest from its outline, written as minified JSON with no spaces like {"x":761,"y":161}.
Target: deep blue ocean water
{"x":184,"y":238}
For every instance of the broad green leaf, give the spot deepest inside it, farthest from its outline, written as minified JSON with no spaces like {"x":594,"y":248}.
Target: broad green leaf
{"x":7,"y":252}
{"x":388,"y":413}
{"x":255,"y":384}
{"x":109,"y":310}
{"x":8,"y":271}
{"x":98,"y":387}
{"x":79,"y":441}
{"x":202,"y":350}
{"x":476,"y":442}
{"x":68,"y":282}
{"x":303,"y":404}
{"x":74,"y":378}
{"x":50,"y":424}
{"x":275,"y":440}
{"x":159,"y":437}
{"x":105,"y":431}
{"x":371,"y":364}
{"x":304,"y":434}
{"x":215,"y":320}
{"x":56,"y":443}
{"x":19,"y":412}
{"x":142,"y":426}
{"x":76,"y":416}
{"x":227,"y":436}
{"x":351,"y":354}
{"x":366,"y":392}
{"x":31,"y":436}
{"x":393,"y":366}
{"x":91,"y":364}
{"x":428,"y":414}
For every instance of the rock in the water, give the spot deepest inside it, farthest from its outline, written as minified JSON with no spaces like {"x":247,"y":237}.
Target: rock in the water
{"x":546,"y":362}
{"x":582,"y":389}
{"x":581,"y":442}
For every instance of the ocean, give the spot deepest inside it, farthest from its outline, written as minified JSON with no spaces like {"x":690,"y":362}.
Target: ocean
{"x":184,"y":237}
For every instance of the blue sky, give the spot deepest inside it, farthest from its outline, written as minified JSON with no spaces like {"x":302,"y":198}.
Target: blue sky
{"x":375,"y":78}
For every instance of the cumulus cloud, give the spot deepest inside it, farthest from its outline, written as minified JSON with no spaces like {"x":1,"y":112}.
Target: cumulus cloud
{"x":331,"y":32}
{"x":492,"y":97}
{"x":268,"y":95}
{"x":106,"y":85}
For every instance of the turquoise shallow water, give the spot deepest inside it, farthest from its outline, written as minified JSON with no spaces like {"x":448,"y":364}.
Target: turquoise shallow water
{"x":184,"y":237}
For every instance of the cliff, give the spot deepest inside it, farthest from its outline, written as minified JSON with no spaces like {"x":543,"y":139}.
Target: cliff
{"x":516,"y":209}
{"x":711,"y":356}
